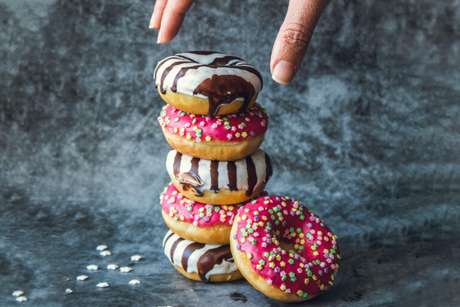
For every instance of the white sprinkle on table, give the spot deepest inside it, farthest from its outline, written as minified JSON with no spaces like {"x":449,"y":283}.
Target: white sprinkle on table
{"x":21,"y":299}
{"x":68,"y":291}
{"x":134,"y":282}
{"x":17,"y":293}
{"x":101,"y":247}
{"x":92,"y":267}
{"x":103,"y":284}
{"x":105,"y":253}
{"x":136,"y":258}
{"x":112,"y":266}
{"x":82,"y":277}
{"x":126,"y":269}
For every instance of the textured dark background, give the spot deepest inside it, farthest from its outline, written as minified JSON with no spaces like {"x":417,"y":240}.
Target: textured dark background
{"x":368,"y":136}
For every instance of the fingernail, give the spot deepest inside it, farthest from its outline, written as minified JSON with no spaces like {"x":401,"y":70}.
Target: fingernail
{"x":283,"y":72}
{"x":152,"y":25}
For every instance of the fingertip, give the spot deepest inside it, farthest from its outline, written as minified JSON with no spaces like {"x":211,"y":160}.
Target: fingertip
{"x":283,"y":72}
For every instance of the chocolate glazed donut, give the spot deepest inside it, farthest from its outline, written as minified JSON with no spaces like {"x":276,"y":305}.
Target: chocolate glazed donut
{"x":198,"y":178}
{"x":225,"y":85}
{"x":224,"y":89}
{"x":193,"y":257}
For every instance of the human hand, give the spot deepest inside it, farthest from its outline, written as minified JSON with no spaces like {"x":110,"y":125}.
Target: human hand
{"x":290,"y":45}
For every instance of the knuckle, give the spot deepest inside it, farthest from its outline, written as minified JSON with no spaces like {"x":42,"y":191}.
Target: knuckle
{"x":295,"y":35}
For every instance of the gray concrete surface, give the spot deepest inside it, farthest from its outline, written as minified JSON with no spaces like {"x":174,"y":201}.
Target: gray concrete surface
{"x":368,"y":136}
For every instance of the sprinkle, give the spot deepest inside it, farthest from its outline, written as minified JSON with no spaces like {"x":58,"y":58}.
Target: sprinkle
{"x":17,"y":293}
{"x":82,"y":277}
{"x":105,"y":253}
{"x":21,"y":299}
{"x":126,"y":269}
{"x":92,"y":267}
{"x":101,"y":247}
{"x":136,"y":258}
{"x":134,"y":282}
{"x":112,"y":266}
{"x":103,"y":284}
{"x":68,"y":291}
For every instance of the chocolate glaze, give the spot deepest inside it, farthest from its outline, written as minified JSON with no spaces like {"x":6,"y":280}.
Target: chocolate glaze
{"x":191,"y":180}
{"x":215,"y":176}
{"x":173,"y":248}
{"x":205,"y":263}
{"x":269,"y":170}
{"x":220,"y":89}
{"x":212,"y":257}
{"x":252,"y":175}
{"x":217,"y":62}
{"x":224,"y":89}
{"x":165,"y":74}
{"x":231,"y":169}
{"x":189,"y":251}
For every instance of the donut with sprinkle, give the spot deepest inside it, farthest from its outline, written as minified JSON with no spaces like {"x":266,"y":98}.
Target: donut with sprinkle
{"x":196,"y":221}
{"x":283,"y":249}
{"x":225,"y":137}
{"x":198,"y":214}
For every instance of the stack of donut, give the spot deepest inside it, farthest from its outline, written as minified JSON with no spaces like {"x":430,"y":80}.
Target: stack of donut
{"x":223,"y":226}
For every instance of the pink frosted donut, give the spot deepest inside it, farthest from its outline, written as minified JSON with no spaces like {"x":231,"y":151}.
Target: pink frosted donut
{"x":283,"y":249}
{"x":196,"y":221}
{"x":226,"y":137}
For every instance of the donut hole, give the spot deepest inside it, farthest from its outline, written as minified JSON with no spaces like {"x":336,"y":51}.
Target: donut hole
{"x":286,"y":245}
{"x":288,"y":240}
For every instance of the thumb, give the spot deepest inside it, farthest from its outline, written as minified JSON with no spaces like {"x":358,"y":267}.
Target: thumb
{"x":293,"y":38}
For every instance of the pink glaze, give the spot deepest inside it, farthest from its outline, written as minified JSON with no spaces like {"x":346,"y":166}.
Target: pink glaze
{"x":201,"y":215}
{"x":305,"y":270}
{"x":227,"y":128}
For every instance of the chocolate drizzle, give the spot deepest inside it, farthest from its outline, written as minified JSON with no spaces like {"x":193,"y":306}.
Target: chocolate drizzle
{"x":165,"y":74}
{"x":189,"y":180}
{"x":212,"y":257}
{"x":220,"y":89}
{"x":256,"y":170}
{"x":173,"y":248}
{"x":188,"y":251}
{"x":215,"y":176}
{"x":252,"y":175}
{"x":209,"y":256}
{"x":224,"y":89}
{"x":231,"y":169}
{"x":269,"y":170}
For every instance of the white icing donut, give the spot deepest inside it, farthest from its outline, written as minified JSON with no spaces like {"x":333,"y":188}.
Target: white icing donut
{"x":185,"y":72}
{"x":193,"y":257}
{"x":246,"y":174}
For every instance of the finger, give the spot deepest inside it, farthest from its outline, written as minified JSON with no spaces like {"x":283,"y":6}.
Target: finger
{"x":293,"y":38}
{"x":158,"y":9}
{"x":171,"y":21}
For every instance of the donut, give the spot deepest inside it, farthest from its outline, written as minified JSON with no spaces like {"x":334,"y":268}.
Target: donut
{"x":219,"y":182}
{"x":227,"y":137}
{"x":284,"y":250}
{"x":201,"y":262}
{"x":207,"y":82}
{"x":196,"y":221}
